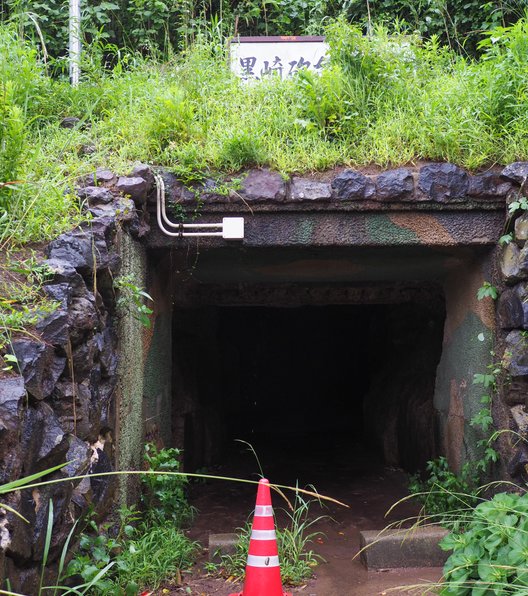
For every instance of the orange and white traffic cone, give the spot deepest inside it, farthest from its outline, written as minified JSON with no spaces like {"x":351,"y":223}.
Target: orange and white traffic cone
{"x":262,"y":568}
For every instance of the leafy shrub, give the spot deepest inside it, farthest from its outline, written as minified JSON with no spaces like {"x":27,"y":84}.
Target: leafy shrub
{"x":12,"y":144}
{"x":164,"y":497}
{"x":170,"y":118}
{"x":132,"y":299}
{"x":99,"y":550}
{"x":153,"y":25}
{"x":447,"y":498}
{"x":137,"y":555}
{"x":490,"y":556}
{"x":241,"y":149}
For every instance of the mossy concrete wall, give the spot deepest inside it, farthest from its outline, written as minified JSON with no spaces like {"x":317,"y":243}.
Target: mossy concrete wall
{"x":129,"y":398}
{"x":145,"y":366}
{"x":157,"y":391}
{"x":467,"y":345}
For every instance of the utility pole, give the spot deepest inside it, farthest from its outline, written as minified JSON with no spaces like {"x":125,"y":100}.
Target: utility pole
{"x":75,"y":42}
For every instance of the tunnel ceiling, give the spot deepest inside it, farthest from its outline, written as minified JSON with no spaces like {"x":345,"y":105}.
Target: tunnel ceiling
{"x":311,"y":265}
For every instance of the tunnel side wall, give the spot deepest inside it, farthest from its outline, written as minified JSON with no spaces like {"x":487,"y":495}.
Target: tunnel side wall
{"x":466,"y":351}
{"x":131,"y":369}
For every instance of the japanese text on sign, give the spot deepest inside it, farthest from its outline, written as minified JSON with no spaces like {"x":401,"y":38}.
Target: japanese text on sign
{"x":254,"y":58}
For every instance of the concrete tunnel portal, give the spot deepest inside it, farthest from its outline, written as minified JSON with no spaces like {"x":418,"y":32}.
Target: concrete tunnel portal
{"x":333,"y":328}
{"x":318,"y":354}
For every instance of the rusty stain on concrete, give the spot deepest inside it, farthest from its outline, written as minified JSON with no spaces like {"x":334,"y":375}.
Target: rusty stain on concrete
{"x":454,"y":435}
{"x":426,"y":227}
{"x":461,"y":298}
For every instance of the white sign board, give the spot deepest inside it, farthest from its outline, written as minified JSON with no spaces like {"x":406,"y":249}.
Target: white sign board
{"x":253,"y":58}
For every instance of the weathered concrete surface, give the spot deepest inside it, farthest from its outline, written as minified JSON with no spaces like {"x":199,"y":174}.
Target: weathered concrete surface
{"x":402,"y":548}
{"x":157,"y":377}
{"x":221,"y":544}
{"x":352,"y":228}
{"x":457,"y":398}
{"x":130,"y":371}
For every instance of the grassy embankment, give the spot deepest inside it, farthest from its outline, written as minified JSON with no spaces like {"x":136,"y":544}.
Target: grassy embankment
{"x":383,"y":100}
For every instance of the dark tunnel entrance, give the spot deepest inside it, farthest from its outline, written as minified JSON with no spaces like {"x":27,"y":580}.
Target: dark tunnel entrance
{"x":308,"y":383}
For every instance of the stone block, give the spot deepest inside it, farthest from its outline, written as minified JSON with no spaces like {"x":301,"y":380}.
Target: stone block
{"x":82,"y":318}
{"x":515,"y":357}
{"x":509,"y":263}
{"x":522,"y":292}
{"x":39,"y":365}
{"x":69,"y":122}
{"x":82,"y":249}
{"x":134,"y":187}
{"x":221,"y":544}
{"x":263,"y":185}
{"x":517,"y":392}
{"x":403,"y":548}
{"x":517,"y":466}
{"x":54,"y":328}
{"x":443,"y":182}
{"x":488,"y":185}
{"x":12,"y":395}
{"x":352,"y":185}
{"x":144,"y":171}
{"x":516,"y":172}
{"x":104,"y":177}
{"x":395,"y":184}
{"x":510,"y":312}
{"x":95,"y":195}
{"x":304,"y":189}
{"x":521,"y":228}
{"x":520,"y":419}
{"x":523,"y":262}
{"x":61,"y":292}
{"x":73,"y":417}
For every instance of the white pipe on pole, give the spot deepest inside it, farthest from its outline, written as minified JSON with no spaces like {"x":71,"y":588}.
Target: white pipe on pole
{"x":75,"y":41}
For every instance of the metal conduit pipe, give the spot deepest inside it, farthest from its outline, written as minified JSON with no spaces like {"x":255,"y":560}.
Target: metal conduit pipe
{"x":232,"y":228}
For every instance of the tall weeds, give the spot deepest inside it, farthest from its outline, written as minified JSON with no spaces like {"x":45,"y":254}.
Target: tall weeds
{"x":387,"y":99}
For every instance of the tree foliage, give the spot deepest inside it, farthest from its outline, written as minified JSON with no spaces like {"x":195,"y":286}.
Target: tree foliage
{"x":163,"y":25}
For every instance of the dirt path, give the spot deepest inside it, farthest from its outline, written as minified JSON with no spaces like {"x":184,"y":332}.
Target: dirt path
{"x":367,"y":487}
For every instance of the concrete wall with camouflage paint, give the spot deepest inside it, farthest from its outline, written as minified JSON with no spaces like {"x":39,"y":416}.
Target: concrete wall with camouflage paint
{"x":430,"y":223}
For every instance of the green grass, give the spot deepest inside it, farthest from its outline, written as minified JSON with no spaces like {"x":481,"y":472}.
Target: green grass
{"x":385,"y":99}
{"x":156,"y":556}
{"x":294,"y":540}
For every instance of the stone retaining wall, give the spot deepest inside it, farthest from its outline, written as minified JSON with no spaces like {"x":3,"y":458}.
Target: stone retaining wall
{"x":440,"y":183}
{"x":512,"y":321}
{"x":62,"y":406}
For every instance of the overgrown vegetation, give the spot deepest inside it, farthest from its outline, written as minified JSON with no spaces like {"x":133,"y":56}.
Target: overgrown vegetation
{"x":387,"y":98}
{"x":297,"y":559}
{"x":489,"y":557}
{"x":164,"y":497}
{"x":132,"y":298}
{"x":22,"y":301}
{"x":148,"y":546}
{"x":160,"y":26}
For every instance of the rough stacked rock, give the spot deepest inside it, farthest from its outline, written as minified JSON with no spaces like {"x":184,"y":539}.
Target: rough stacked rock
{"x":439,"y":183}
{"x":512,"y":316}
{"x":60,"y":408}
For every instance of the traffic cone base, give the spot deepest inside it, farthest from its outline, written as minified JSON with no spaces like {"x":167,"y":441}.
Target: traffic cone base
{"x":262,"y":568}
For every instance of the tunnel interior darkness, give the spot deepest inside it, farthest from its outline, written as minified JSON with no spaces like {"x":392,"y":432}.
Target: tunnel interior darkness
{"x":307,"y":381}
